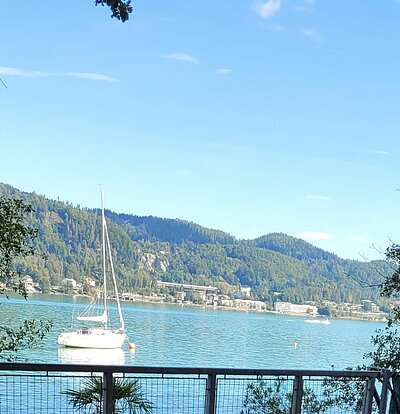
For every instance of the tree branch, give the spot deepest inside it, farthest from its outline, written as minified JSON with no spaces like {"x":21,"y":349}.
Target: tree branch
{"x":121,"y":9}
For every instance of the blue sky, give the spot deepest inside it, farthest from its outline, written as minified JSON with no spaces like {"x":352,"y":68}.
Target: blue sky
{"x":246,"y":116}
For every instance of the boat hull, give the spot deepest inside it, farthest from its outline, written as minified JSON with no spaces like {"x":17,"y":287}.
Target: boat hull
{"x":319,"y":321}
{"x":92,"y":338}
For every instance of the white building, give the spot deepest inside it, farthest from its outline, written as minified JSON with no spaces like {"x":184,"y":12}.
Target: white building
{"x":249,"y":304}
{"x":27,"y":281}
{"x":242,"y":293}
{"x":287,"y":307}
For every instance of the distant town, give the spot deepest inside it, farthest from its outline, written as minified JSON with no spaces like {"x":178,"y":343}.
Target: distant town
{"x":240,"y":299}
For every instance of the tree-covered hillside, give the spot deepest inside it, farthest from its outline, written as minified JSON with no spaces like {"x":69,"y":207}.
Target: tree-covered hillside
{"x":147,"y":249}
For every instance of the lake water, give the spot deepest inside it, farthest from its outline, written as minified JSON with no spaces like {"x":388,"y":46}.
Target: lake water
{"x":168,"y":335}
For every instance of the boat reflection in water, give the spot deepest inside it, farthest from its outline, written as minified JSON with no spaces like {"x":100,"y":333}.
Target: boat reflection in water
{"x":91,"y":356}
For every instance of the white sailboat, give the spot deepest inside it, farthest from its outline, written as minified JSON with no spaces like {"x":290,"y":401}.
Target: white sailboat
{"x":103,"y":336}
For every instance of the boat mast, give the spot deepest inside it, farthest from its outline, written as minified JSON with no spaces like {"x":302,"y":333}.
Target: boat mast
{"x":103,"y":225}
{"x":121,"y":319}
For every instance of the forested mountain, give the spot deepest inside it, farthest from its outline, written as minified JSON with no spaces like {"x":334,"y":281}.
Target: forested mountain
{"x":147,"y":249}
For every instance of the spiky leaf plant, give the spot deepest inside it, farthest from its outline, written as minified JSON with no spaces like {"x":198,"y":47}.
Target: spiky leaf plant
{"x":128,"y":397}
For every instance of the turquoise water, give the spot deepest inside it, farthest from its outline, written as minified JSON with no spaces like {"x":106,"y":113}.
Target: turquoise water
{"x":168,"y":335}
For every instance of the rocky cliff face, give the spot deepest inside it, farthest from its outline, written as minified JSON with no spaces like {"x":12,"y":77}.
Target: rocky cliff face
{"x":152,"y":263}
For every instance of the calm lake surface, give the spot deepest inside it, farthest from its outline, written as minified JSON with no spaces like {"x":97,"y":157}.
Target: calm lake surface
{"x":168,"y":335}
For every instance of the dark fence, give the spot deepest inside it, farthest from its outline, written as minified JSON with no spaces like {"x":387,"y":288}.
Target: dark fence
{"x":48,"y":388}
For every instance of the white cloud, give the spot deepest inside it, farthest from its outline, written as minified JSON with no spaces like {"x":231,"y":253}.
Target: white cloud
{"x":318,"y":197}
{"x":267,"y":9}
{"x":183,"y":57}
{"x":313,"y":34}
{"x":223,"y":71}
{"x":379,"y":152}
{"x":359,"y":239}
{"x":314,"y":235}
{"x":89,"y":76}
{"x":10,"y":71}
{"x":6,"y":70}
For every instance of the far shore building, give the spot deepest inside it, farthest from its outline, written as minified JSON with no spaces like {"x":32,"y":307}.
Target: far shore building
{"x":186,"y":287}
{"x":244,"y":292}
{"x":288,"y":307}
{"x":249,"y":304}
{"x":28,"y":283}
{"x":69,"y":282}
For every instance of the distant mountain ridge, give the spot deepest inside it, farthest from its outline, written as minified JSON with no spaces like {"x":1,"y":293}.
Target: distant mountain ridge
{"x":150,"y":248}
{"x":170,"y":230}
{"x":294,"y":247}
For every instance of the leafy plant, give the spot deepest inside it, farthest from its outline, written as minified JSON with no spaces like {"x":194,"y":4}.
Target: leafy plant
{"x":263,"y":397}
{"x":127,"y":397}
{"x":271,"y":398}
{"x":16,"y":239}
{"x":29,"y":334}
{"x":121,"y":9}
{"x":386,"y":353}
{"x":346,"y":393}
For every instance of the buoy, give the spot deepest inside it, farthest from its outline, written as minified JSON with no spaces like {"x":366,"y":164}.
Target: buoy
{"x":132,"y":346}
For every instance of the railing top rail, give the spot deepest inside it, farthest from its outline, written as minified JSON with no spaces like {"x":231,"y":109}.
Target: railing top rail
{"x":17,"y":366}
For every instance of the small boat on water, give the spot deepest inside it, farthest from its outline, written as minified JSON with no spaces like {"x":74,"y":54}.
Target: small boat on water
{"x":97,"y":331}
{"x":319,"y":321}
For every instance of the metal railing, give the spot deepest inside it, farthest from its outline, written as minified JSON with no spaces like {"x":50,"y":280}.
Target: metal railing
{"x":42,"y":389}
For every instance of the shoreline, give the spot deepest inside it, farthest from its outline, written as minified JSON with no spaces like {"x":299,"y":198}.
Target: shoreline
{"x":378,"y":318}
{"x":367,"y":317}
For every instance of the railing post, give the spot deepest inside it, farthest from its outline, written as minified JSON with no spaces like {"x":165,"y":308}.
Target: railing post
{"x":368,"y":396}
{"x":211,"y":393}
{"x":297,"y":395}
{"x":108,"y":393}
{"x":384,"y":392}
